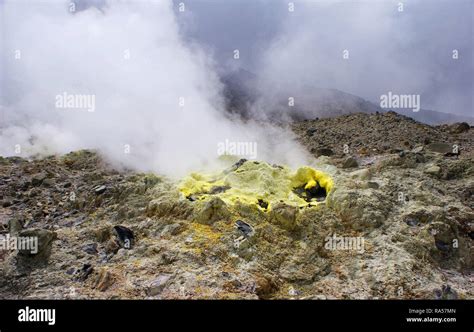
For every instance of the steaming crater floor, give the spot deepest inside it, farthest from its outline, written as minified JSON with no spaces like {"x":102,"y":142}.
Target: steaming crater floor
{"x":395,"y":224}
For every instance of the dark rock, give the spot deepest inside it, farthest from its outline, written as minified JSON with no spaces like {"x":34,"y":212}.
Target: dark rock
{"x":236,"y":165}
{"x":100,"y":189}
{"x":218,"y":189}
{"x":442,"y":246}
{"x":83,"y":273}
{"x":125,"y":236}
{"x":263,"y":204}
{"x":243,"y":227}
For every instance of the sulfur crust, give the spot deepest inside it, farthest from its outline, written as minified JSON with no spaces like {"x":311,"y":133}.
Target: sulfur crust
{"x":256,"y":180}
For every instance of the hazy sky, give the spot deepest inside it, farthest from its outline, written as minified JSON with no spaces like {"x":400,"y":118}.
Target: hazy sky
{"x":406,"y":52}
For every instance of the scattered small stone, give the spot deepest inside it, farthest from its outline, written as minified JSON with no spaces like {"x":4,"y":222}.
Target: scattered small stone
{"x":111,"y":247}
{"x":265,"y":286}
{"x":417,"y":149}
{"x":411,"y":221}
{"x":48,"y":182}
{"x":100,"y":189}
{"x":104,"y":280}
{"x":446,"y":293}
{"x":433,"y":170}
{"x":243,"y":227}
{"x":293,"y":292}
{"x":38,"y":179}
{"x":90,"y":248}
{"x":350,"y":163}
{"x":83,"y":273}
{"x":157,"y":286}
{"x":7,"y":201}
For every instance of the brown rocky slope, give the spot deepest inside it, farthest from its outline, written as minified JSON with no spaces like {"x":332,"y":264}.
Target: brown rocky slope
{"x":399,"y":185}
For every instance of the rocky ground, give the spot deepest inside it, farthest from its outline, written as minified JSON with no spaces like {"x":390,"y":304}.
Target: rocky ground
{"x":403,"y":187}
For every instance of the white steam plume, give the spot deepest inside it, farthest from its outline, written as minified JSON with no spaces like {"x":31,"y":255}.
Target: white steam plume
{"x":153,"y":94}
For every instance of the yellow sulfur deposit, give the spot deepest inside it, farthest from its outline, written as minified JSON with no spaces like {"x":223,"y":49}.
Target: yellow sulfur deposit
{"x":252,"y":182}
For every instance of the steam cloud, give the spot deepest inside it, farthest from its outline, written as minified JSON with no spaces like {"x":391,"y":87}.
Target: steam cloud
{"x":129,"y":56}
{"x":407,"y":51}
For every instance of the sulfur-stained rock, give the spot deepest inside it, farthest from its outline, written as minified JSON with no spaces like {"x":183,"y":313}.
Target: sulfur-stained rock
{"x":284,"y":216}
{"x":169,"y":205}
{"x":362,"y":174}
{"x":213,"y":210}
{"x":360,"y":209}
